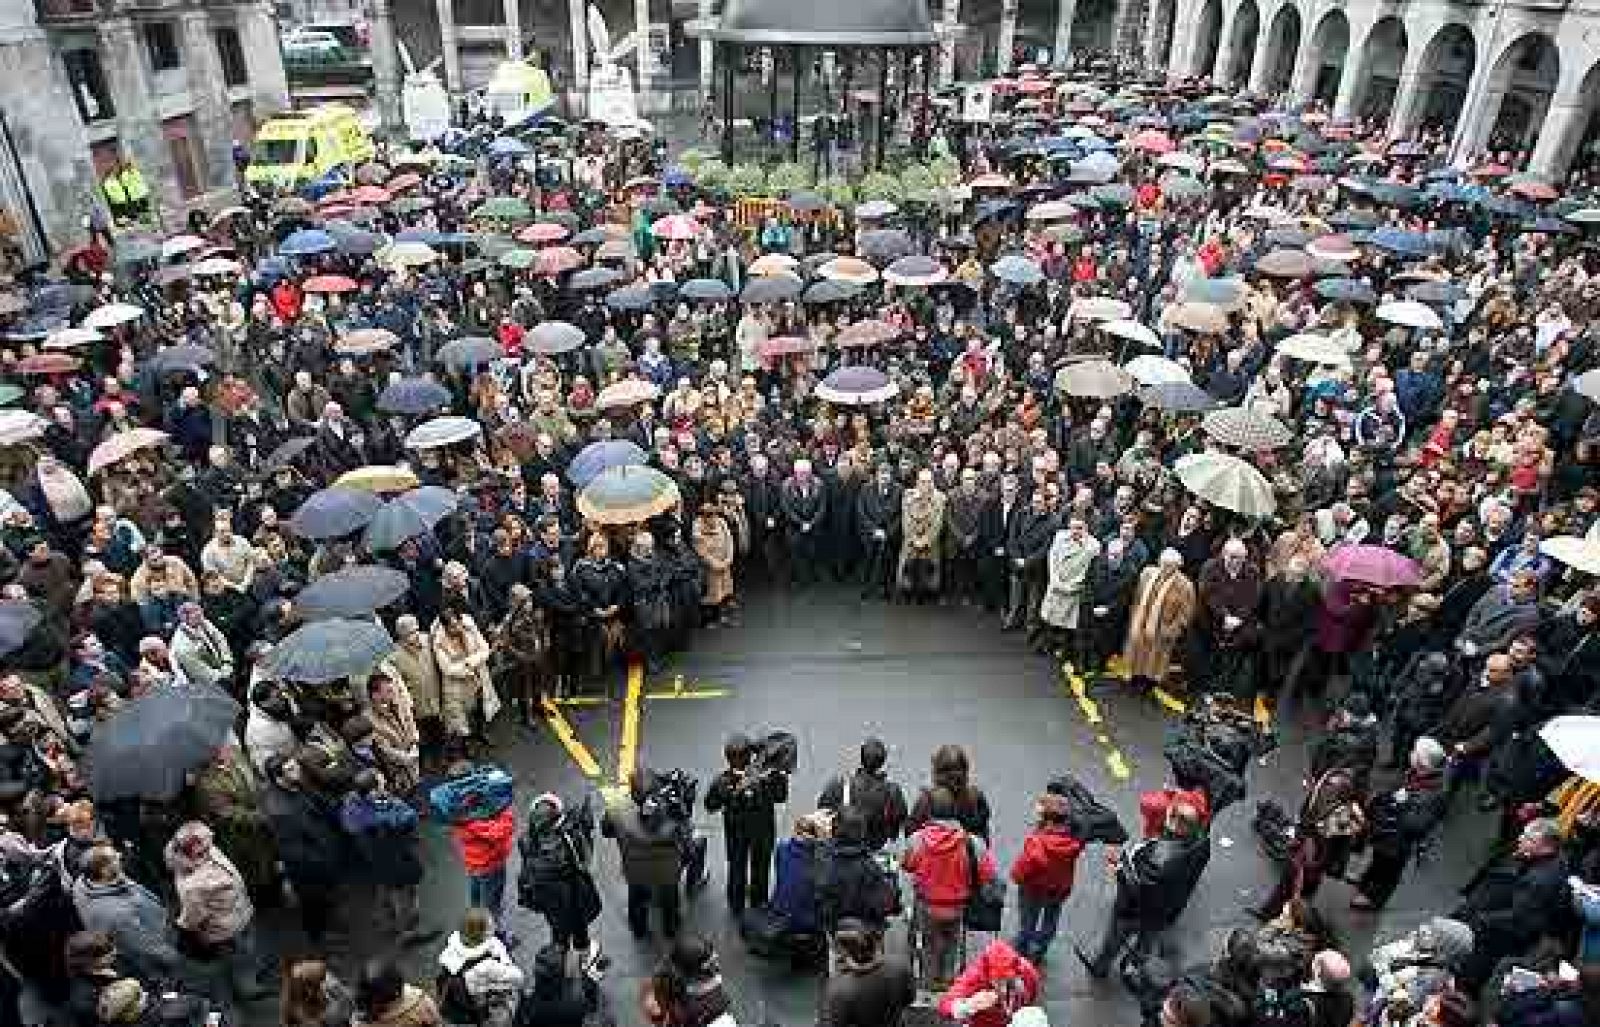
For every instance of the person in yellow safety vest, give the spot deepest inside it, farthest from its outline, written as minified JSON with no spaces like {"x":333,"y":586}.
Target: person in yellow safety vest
{"x":126,"y":192}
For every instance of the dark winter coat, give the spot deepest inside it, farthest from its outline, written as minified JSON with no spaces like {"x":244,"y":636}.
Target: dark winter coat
{"x":870,"y":996}
{"x":383,"y":833}
{"x":1157,"y":876}
{"x":747,"y":801}
{"x":310,"y":842}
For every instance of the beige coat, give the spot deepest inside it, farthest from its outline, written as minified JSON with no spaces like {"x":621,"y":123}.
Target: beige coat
{"x":463,"y":676}
{"x":213,"y":902}
{"x":420,"y":673}
{"x":398,"y":743}
{"x":1163,"y":606}
{"x":714,"y":542}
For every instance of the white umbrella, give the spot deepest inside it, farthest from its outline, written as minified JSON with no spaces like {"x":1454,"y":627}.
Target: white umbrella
{"x":19,"y":426}
{"x":1051,"y":210}
{"x":1581,"y":554}
{"x":1228,"y":482}
{"x":407,"y":254}
{"x":71,"y":338}
{"x":1588,"y":384}
{"x":1575,"y":741}
{"x":1133,"y":331}
{"x":215,"y":266}
{"x":1149,"y":369}
{"x":1585,"y":216}
{"x":178,"y":245}
{"x":1315,"y":349}
{"x":113,"y":314}
{"x":1182,"y":161}
{"x":1409,"y":313}
{"x":1099,"y":308}
{"x":443,"y":431}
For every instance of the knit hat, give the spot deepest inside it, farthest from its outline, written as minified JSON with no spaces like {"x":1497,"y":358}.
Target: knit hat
{"x":121,"y":1001}
{"x":1449,"y":940}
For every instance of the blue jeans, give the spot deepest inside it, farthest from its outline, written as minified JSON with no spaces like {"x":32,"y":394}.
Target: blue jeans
{"x":1037,"y":921}
{"x":487,"y":891}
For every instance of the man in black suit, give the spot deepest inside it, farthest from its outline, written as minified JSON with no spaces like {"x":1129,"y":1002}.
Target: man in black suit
{"x":805,"y":505}
{"x":1028,"y":549}
{"x":995,"y":529}
{"x":763,"y":505}
{"x":878,"y":528}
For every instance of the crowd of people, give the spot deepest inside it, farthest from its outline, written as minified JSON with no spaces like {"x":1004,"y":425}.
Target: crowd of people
{"x":346,"y":480}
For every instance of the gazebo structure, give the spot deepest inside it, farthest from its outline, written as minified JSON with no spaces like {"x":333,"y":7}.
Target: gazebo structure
{"x":874,"y":35}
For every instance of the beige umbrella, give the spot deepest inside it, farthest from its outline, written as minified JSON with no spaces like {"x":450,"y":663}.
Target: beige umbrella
{"x":627,"y":393}
{"x":1196,"y":317}
{"x":1285,"y":263}
{"x":1228,"y":482}
{"x":365,"y":341}
{"x":774,"y":264}
{"x":1315,"y":349}
{"x":123,"y":445}
{"x":1581,"y":554}
{"x":848,"y":269}
{"x":1094,"y":379}
{"x":1100,"y":308}
{"x":72,"y":338}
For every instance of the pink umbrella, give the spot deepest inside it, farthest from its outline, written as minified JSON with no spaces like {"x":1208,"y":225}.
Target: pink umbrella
{"x":1152,"y":141}
{"x":676,"y":226}
{"x":543,"y":231}
{"x":1372,"y":565}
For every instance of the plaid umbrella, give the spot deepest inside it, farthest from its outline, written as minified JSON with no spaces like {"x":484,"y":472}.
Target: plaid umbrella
{"x":327,"y":650}
{"x":1246,"y":428}
{"x":627,"y":495}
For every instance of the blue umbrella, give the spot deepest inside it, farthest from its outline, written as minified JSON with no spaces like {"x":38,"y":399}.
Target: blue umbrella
{"x":774,"y":289}
{"x":989,"y":210}
{"x":352,"y":592}
{"x":1550,"y":225}
{"x":1454,"y":192}
{"x":636,"y":298}
{"x":1017,"y":270}
{"x":413,"y":396}
{"x":18,"y":618}
{"x":147,"y":748}
{"x":334,"y":512}
{"x":828,"y":291}
{"x":509,"y":146}
{"x":409,"y":515}
{"x":1346,"y":290}
{"x":1391,"y":194}
{"x":1346,"y":220}
{"x":1178,"y":397}
{"x":590,"y":237}
{"x":708,"y":290}
{"x":1435,"y":293}
{"x":308,"y":242}
{"x":594,"y":278}
{"x":327,"y":650}
{"x":427,"y":236}
{"x":601,"y":456}
{"x":1401,"y":243}
{"x":674,"y":177}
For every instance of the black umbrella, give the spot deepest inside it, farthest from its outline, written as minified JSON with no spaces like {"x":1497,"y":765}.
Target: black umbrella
{"x":827,"y":291}
{"x":327,"y":650}
{"x":770,"y":290}
{"x":288,"y":453}
{"x":352,"y":592}
{"x":413,"y":396}
{"x":148,"y":747}
{"x":185,"y":357}
{"x":1178,"y":397}
{"x":17,"y":620}
{"x":469,"y":352}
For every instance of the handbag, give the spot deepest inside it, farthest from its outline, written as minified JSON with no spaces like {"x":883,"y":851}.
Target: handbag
{"x":986,"y":901}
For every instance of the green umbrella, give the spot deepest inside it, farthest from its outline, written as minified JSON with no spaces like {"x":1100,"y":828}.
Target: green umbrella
{"x":492,"y":247}
{"x":9,"y":393}
{"x":519,"y":260}
{"x":503,"y":208}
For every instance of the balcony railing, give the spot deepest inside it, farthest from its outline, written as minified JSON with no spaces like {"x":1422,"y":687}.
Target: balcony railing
{"x":56,"y":11}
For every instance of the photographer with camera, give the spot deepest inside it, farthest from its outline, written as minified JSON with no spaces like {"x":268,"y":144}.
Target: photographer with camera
{"x":686,"y":989}
{"x":555,"y":878}
{"x":747,"y":794}
{"x":650,"y":842}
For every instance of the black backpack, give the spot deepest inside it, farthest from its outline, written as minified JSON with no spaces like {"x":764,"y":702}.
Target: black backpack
{"x":456,"y":1004}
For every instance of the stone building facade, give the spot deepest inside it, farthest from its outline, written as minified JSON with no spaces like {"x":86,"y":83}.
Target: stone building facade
{"x":168,"y":85}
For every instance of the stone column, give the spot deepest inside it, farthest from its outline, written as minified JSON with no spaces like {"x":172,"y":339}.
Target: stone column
{"x":1563,"y":130}
{"x":578,"y":29}
{"x":1260,"y":64}
{"x":1125,"y":24}
{"x":258,"y":36}
{"x":1222,"y":67}
{"x":951,"y":24}
{"x":122,"y":55}
{"x":1352,"y":82}
{"x":1477,"y":121}
{"x":1406,"y":109}
{"x":213,"y":114}
{"x":513,"y":30}
{"x":1181,"y":45}
{"x":1156,"y":38}
{"x":1008,"y":36}
{"x":1304,"y":77}
{"x":448,"y":47}
{"x":708,"y":50}
{"x":1065,"y":11}
{"x":641,"y":25}
{"x":386,"y":69}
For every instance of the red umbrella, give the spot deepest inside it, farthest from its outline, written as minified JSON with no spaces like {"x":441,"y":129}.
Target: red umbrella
{"x":1538,"y":192}
{"x":676,"y":226}
{"x":373,"y":195}
{"x":543,"y":231}
{"x":47,"y":363}
{"x":1152,"y":141}
{"x":786,"y":346}
{"x":1490,"y":170}
{"x":556,"y":259}
{"x":403,"y":181}
{"x":330,"y":283}
{"x":340,"y":197}
{"x":866,"y":333}
{"x":338,"y":210}
{"x":1377,"y":566}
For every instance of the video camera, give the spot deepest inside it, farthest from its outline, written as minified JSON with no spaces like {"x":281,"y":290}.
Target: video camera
{"x":668,"y":797}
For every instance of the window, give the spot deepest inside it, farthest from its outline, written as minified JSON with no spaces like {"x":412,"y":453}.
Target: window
{"x":229,"y":50}
{"x":162,"y":43}
{"x":88,"y":81}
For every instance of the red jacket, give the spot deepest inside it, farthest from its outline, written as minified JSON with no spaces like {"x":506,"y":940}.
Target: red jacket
{"x":1048,"y":861}
{"x":937,"y":860}
{"x":485,"y":845}
{"x":998,"y":968}
{"x":1153,"y":807}
{"x":285,"y":299}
